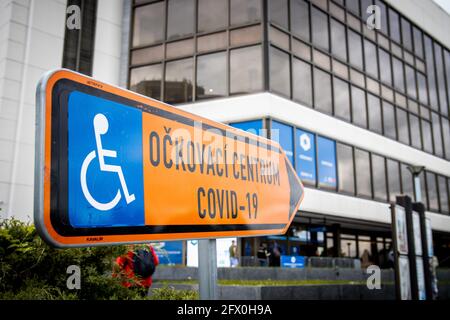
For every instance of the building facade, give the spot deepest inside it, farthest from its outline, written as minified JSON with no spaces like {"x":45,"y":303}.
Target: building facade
{"x":351,"y":105}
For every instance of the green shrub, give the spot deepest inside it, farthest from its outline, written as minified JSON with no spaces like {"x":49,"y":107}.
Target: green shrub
{"x":169,"y":293}
{"x":31,"y":269}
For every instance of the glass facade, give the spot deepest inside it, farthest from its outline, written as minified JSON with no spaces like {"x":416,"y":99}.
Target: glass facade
{"x":335,"y":166}
{"x":394,"y":81}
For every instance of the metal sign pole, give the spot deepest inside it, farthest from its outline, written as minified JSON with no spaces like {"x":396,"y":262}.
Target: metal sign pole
{"x":207,"y":269}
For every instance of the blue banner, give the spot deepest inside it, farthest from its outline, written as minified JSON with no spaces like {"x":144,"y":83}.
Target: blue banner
{"x":305,"y":163}
{"x":253,"y":126}
{"x":169,"y":252}
{"x":283,"y":134}
{"x":326,"y":155}
{"x":292,"y":261}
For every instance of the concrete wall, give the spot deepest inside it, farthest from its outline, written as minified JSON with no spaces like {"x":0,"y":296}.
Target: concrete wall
{"x":31,"y":42}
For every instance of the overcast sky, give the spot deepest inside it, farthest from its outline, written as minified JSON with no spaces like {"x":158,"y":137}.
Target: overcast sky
{"x":445,"y":4}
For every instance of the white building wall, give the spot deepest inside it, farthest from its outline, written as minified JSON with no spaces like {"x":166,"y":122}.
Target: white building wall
{"x":31,"y":42}
{"x":108,"y":41}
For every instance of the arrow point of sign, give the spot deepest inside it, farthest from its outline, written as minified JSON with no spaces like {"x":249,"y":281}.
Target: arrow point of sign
{"x":296,"y":189}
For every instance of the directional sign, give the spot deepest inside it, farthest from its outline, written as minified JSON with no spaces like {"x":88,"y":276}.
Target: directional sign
{"x":113,"y":167}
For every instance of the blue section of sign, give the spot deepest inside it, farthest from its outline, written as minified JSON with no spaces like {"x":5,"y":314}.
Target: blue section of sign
{"x":292,"y":261}
{"x":169,"y":252}
{"x":305,"y":163}
{"x":112,"y":196}
{"x":326,"y":159}
{"x":283,"y":134}
{"x":253,"y":126}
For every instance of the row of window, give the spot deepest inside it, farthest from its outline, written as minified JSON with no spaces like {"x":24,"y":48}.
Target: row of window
{"x":425,"y":82}
{"x":330,"y":94}
{"x":215,"y":63}
{"x":327,"y":164}
{"x":186,"y":17}
{"x":213,"y":77}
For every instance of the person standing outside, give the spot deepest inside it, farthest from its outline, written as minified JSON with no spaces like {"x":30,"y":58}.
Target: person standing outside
{"x":233,"y":254}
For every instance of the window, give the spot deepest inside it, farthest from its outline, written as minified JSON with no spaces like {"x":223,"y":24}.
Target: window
{"x":355,"y":53}
{"x":319,"y":29}
{"x":393,"y":174}
{"x":302,"y":90}
{"x":422,"y":86}
{"x":418,"y":42}
{"x":359,"y":115}
{"x":147,"y":80}
{"x":178,"y":82}
{"x":212,"y":75}
{"x":429,"y":59}
{"x":305,"y":159}
{"x":243,"y":12}
{"x":394,"y":25}
{"x":374,"y":108}
{"x":246,"y":70}
{"x":433,"y":200}
{"x":338,"y":40}
{"x":407,"y":181}
{"x":279,"y":12}
{"x":406,"y":34}
{"x":284,"y":135}
{"x":437,"y":134}
{"x":384,"y":19}
{"x":322,"y":91}
{"x":440,"y":79}
{"x":78,"y":52}
{"x":363,"y":179}
{"x":353,"y":6}
{"x":415,"y":131}
{"x":279,"y":72}
{"x":326,"y":162}
{"x":345,"y":168}
{"x":148,"y":25}
{"x":389,"y":120}
{"x":446,"y":135}
{"x":370,"y":52}
{"x":180,"y":18}
{"x":399,"y":81}
{"x":427,"y":136}
{"x":379,"y":178}
{"x":212,"y":15}
{"x":443,"y":194}
{"x":410,"y":81}
{"x":300,"y":18}
{"x":341,"y":99}
{"x":402,"y":126}
{"x":385,"y":63}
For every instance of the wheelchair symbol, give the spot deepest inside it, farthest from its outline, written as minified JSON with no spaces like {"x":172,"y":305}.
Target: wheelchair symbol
{"x":101,"y":127}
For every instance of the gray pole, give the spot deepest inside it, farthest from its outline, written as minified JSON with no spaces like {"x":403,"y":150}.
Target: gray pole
{"x":207,"y":269}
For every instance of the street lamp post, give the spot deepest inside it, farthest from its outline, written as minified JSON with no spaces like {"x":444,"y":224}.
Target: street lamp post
{"x":416,"y":171}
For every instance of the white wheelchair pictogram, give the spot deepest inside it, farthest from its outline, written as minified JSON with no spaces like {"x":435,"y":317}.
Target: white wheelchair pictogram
{"x":101,"y":126}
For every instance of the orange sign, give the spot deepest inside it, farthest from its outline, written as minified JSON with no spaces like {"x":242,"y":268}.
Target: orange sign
{"x":114,"y":167}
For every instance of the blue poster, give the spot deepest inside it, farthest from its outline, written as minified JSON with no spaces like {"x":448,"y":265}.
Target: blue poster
{"x":292,"y":261}
{"x":253,"y":126}
{"x":326,"y":159}
{"x":305,"y":163}
{"x":105,"y":187}
{"x":283,"y":134}
{"x":169,"y":252}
